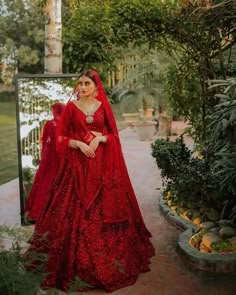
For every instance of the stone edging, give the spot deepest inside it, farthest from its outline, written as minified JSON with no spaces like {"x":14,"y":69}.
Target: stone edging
{"x":173,"y":218}
{"x":220,"y":263}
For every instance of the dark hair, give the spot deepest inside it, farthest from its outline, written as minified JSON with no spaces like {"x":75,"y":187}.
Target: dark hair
{"x":89,"y":74}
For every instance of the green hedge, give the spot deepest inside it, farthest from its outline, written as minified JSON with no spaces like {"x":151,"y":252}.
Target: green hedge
{"x":7,"y":96}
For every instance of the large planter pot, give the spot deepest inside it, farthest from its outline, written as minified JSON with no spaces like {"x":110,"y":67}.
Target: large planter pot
{"x":145,"y":130}
{"x":131,"y":117}
{"x":164,"y":125}
{"x":148,"y":114}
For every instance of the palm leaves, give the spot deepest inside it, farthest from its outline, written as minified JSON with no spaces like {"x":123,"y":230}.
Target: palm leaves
{"x":223,"y":126}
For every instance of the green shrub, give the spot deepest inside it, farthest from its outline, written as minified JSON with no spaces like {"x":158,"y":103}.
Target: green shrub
{"x":17,"y":277}
{"x":223,"y":128}
{"x":196,"y":182}
{"x":189,"y":179}
{"x":7,"y":96}
{"x":211,"y":179}
{"x":169,"y":155}
{"x":14,"y":279}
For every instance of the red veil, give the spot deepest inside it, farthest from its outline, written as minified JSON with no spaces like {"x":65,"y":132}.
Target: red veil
{"x":94,"y":227}
{"x":115,"y":188}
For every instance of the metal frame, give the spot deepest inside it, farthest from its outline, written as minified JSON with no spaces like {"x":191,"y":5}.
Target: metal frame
{"x":16,"y":82}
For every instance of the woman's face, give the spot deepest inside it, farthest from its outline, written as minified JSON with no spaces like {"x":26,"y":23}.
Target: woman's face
{"x":86,"y":87}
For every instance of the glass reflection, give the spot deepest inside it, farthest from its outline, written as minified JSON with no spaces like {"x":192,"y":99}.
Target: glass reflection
{"x":35,"y":97}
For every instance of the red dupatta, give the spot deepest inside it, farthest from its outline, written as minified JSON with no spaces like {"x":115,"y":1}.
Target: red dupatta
{"x":117,"y":194}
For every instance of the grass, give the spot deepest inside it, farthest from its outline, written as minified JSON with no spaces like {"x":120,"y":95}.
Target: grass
{"x":8,"y":142}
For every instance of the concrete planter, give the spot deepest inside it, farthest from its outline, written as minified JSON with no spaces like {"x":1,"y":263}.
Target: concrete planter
{"x":145,"y":130}
{"x":164,"y":125}
{"x":220,"y":263}
{"x":131,"y":117}
{"x":148,"y":115}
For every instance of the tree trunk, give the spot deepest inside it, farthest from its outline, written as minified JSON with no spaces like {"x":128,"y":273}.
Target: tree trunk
{"x":53,"y":37}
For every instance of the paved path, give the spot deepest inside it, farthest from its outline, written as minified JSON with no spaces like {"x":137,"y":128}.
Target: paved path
{"x":10,"y":203}
{"x":169,"y":275}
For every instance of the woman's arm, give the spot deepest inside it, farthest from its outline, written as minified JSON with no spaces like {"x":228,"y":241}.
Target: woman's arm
{"x":102,"y":138}
{"x":95,"y":142}
{"x":85,"y":149}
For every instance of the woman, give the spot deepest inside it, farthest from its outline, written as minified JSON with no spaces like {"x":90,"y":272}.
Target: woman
{"x":47,"y":167}
{"x":95,"y":231}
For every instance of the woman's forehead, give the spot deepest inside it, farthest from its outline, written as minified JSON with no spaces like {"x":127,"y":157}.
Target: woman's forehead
{"x":85,"y":79}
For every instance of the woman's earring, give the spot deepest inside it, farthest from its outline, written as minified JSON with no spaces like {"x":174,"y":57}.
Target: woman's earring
{"x":95,"y":93}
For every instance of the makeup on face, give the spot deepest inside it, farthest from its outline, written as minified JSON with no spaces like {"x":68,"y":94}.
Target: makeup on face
{"x":86,"y":87}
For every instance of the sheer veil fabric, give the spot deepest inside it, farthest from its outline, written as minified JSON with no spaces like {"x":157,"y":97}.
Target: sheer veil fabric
{"x":47,"y":168}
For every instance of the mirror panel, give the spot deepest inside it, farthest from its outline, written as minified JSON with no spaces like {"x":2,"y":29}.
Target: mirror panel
{"x":35,"y":96}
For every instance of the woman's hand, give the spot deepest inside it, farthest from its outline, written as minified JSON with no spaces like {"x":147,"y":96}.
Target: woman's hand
{"x":85,"y":149}
{"x":94,"y":143}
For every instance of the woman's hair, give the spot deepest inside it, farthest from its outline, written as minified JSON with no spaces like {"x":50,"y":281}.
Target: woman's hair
{"x":89,"y":74}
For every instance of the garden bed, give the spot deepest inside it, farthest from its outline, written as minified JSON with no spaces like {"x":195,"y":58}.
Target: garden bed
{"x":213,"y":262}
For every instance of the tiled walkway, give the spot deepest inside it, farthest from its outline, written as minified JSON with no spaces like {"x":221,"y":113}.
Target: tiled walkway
{"x":169,"y":275}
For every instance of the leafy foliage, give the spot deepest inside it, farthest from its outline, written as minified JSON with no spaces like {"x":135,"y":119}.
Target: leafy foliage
{"x":211,"y":178}
{"x":143,"y":75}
{"x":222,"y":246}
{"x":87,"y":37}
{"x":196,"y":182}
{"x":168,"y":155}
{"x":14,"y":279}
{"x":137,"y":22}
{"x":22,"y":35}
{"x":187,"y":177}
{"x":79,"y":284}
{"x":200,"y":42}
{"x":196,"y":40}
{"x":184,"y":92}
{"x":16,"y":234}
{"x":17,"y":276}
{"x":223,"y":126}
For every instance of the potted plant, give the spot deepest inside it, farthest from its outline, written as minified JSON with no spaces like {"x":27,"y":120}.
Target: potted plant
{"x":142,"y":74}
{"x":137,"y":108}
{"x":129,"y":107}
{"x":146,"y":126}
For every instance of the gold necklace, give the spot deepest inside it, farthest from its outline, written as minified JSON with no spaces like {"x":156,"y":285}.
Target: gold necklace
{"x":89,"y":114}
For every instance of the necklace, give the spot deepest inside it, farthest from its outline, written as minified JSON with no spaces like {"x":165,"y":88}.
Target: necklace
{"x":89,"y":114}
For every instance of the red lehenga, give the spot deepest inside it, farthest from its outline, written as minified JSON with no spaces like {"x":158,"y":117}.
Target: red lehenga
{"x":45,"y":173}
{"x":94,"y":227}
